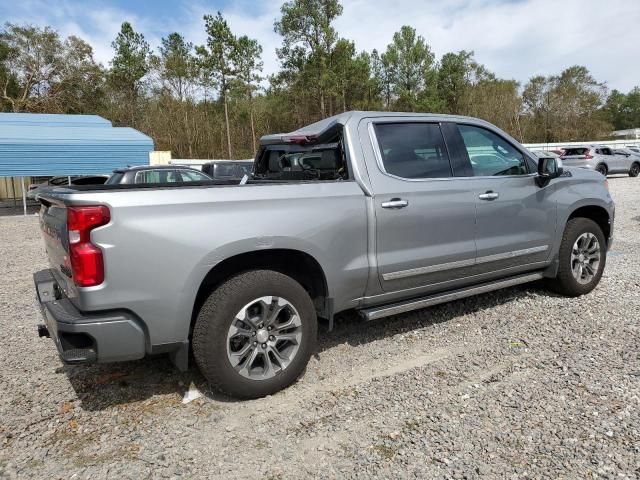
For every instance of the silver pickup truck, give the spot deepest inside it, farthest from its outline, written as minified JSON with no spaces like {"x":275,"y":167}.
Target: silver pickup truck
{"x":378,"y":212}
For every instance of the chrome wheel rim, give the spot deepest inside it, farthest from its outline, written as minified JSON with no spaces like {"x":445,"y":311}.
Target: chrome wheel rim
{"x":264,"y":337}
{"x":585,"y":258}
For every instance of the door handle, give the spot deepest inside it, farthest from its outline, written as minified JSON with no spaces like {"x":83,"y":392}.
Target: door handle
{"x":488,"y":195}
{"x":395,"y":203}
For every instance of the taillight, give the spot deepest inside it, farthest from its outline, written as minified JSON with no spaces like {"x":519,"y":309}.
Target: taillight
{"x":86,"y":259}
{"x":299,"y":139}
{"x":588,"y":155}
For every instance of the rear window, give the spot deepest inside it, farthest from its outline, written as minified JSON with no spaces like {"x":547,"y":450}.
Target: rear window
{"x":575,"y":151}
{"x":303,"y":162}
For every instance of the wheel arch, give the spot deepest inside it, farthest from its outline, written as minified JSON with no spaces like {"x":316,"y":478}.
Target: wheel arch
{"x":297,"y":264}
{"x":598,"y":214}
{"x":603,"y":163}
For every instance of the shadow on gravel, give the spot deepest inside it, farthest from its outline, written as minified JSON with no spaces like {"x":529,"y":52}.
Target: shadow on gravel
{"x":101,"y":387}
{"x":350,"y":328}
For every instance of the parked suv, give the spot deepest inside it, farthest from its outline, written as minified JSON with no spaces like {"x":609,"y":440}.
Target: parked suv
{"x":605,"y":160}
{"x":388,"y":213}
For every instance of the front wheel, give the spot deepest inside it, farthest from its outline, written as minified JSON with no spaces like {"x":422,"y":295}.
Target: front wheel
{"x":582,"y":257}
{"x":255,"y":333}
{"x":634,"y":170}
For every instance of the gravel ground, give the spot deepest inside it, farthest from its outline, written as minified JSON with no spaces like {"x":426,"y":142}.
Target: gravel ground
{"x":515,"y":384}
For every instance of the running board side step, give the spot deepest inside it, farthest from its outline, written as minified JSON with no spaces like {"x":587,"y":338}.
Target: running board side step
{"x":374,"y":313}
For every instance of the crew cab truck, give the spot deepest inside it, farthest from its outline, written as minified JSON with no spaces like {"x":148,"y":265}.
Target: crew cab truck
{"x":378,"y":212}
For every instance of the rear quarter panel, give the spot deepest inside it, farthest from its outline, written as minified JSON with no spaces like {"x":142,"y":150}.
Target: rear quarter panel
{"x":160,"y":244}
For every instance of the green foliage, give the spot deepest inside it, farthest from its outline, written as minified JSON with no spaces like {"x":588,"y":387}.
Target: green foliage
{"x":131,"y":59}
{"x":307,"y":51}
{"x":409,"y":65}
{"x":42,"y":73}
{"x":248,"y":63}
{"x":176,"y":66}
{"x":565,"y":107}
{"x":226,"y":60}
{"x":217,"y":57}
{"x":8,"y":83}
{"x":126,"y":78}
{"x":623,"y":111}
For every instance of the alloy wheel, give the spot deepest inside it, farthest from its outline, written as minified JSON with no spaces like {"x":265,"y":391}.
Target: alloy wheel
{"x":264,"y":337}
{"x":585,"y":258}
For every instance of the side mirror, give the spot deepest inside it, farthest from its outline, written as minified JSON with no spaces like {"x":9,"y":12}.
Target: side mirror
{"x":548,"y":169}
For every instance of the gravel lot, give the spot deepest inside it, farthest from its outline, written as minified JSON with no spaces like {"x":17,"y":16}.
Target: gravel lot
{"x":515,"y":384}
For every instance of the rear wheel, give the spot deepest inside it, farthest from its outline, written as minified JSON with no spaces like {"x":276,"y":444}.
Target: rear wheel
{"x":602,"y":168}
{"x":582,"y":258}
{"x":255,"y":333}
{"x":634,"y":171}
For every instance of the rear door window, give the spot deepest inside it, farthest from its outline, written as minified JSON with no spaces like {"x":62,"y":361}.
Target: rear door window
{"x":413,"y":150}
{"x":158,"y":176}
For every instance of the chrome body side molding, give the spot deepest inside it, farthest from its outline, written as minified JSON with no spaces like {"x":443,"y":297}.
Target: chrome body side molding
{"x":463,"y":263}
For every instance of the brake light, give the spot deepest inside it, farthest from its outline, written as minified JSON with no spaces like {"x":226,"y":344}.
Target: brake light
{"x":588,"y":155}
{"x":300,"y":139}
{"x":87,"y":265}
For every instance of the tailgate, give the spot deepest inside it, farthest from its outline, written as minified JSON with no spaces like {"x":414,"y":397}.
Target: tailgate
{"x":53,"y":224}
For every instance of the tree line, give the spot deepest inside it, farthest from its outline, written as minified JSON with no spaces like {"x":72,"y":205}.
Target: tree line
{"x":213,"y":100}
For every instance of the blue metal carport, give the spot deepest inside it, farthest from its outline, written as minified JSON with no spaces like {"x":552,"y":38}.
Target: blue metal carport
{"x":52,"y":144}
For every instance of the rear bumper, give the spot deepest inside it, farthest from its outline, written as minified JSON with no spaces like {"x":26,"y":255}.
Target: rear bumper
{"x":81,"y":337}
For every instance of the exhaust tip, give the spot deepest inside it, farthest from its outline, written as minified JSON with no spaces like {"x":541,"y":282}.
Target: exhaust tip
{"x":43,"y":331}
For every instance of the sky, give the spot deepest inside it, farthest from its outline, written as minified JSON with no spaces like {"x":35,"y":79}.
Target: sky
{"x":516,"y":39}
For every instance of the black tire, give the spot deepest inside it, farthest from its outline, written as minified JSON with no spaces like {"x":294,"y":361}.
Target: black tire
{"x":565,"y":283}
{"x":602,"y":169}
{"x":634,"y":171}
{"x":214,"y":320}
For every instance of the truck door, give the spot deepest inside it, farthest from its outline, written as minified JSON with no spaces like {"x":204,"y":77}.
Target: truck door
{"x":515,"y":219}
{"x":424,"y":217}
